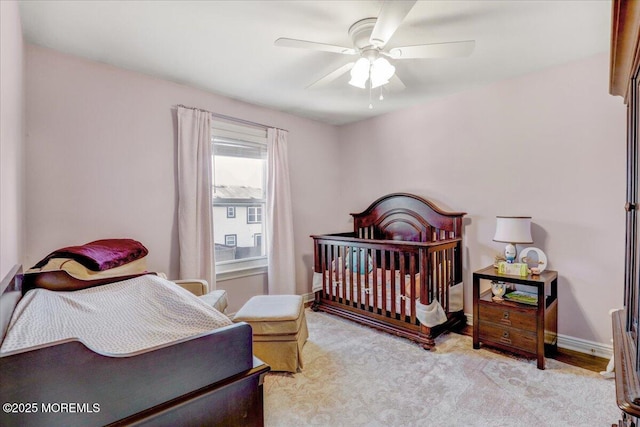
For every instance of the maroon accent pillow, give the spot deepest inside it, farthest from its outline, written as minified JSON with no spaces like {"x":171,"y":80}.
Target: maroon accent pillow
{"x":100,"y":255}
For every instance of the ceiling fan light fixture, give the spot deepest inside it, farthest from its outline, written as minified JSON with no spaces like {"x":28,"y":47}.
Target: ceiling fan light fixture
{"x":381,"y":72}
{"x":360,"y":73}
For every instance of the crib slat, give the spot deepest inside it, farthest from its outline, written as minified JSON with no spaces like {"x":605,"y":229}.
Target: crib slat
{"x":392,"y":268}
{"x":357,"y":252}
{"x":366,"y":280}
{"x":403,"y":280}
{"x":332,"y":286}
{"x":342,"y":278}
{"x":412,"y":283}
{"x":383,"y":258}
{"x":439,"y":278}
{"x":323,"y":268}
{"x":349,"y":282}
{"x":441,"y":275}
{"x":374,"y":259}
{"x":447,"y":279}
{"x":444,"y":277}
{"x":335,"y":286}
{"x":327,"y":264}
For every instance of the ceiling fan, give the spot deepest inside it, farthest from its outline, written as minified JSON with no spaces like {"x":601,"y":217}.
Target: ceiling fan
{"x":370,"y":37}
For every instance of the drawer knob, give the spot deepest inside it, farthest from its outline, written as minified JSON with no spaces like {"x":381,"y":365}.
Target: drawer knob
{"x":505,"y":338}
{"x":505,"y":318}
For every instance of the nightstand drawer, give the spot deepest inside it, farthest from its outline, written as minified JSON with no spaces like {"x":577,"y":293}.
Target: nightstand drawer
{"x":515,"y":317}
{"x":514,"y":338}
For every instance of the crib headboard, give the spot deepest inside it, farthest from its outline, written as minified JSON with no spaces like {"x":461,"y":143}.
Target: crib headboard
{"x":407,"y":217}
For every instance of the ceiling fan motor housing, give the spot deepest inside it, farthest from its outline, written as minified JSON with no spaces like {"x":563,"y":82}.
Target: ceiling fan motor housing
{"x":360,"y":33}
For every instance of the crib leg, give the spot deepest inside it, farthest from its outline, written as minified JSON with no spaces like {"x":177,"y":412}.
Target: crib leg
{"x":427,"y":338}
{"x":429,"y":345}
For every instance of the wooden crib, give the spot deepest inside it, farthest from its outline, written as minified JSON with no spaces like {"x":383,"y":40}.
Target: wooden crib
{"x":404,"y":254}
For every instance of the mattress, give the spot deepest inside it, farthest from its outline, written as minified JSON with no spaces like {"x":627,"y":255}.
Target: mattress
{"x":118,"y":319}
{"x":430,"y":314}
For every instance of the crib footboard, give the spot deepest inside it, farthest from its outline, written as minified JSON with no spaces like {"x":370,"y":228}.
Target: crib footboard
{"x":411,"y":289}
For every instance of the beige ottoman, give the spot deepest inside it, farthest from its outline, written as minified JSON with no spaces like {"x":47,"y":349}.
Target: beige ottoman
{"x":279,"y":329}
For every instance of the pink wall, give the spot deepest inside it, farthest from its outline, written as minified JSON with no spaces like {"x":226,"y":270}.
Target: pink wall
{"x":11,"y":137}
{"x":550,"y":145}
{"x":101,"y":162}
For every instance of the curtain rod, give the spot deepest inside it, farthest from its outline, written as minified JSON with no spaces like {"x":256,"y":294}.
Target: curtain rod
{"x":233,"y":119}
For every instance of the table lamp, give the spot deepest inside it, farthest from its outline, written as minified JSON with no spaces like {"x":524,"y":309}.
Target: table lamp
{"x":512,"y":230}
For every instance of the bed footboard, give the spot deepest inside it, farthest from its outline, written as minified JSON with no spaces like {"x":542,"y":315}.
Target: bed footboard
{"x":68,"y":384}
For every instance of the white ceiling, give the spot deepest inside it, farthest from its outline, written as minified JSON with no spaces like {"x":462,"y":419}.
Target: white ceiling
{"x":227,"y":47}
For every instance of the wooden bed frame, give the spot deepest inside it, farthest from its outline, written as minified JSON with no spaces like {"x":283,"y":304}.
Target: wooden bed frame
{"x":400,"y":233}
{"x":211,"y":379}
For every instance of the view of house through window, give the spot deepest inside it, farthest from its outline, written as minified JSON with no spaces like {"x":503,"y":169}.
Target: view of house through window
{"x":239,"y":174}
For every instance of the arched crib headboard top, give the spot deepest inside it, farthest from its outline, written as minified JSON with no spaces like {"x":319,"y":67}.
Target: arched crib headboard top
{"x":407,"y":217}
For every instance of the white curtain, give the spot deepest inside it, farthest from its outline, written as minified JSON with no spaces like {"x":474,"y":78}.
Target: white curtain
{"x":195,"y":216}
{"x":281,"y":268}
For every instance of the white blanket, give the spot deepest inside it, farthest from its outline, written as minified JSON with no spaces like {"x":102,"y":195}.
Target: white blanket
{"x":120,"y":318}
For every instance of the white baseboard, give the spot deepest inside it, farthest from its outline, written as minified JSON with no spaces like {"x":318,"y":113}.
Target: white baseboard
{"x":469,"y":319}
{"x":308,"y":297}
{"x":583,"y":346}
{"x":576,"y":344}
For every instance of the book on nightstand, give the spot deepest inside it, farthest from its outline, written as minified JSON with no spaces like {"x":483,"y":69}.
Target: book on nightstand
{"x":522,"y":297}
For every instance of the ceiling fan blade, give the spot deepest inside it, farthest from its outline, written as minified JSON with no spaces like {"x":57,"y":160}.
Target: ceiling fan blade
{"x":389,"y":19}
{"x":395,"y":84}
{"x":434,"y":50}
{"x":324,"y":81}
{"x":304,"y":44}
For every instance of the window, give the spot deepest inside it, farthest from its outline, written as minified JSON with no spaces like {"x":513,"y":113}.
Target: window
{"x":230,"y":239}
{"x":239,"y":192}
{"x":254,"y":214}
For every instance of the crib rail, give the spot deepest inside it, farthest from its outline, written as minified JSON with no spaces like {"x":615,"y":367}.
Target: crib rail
{"x":383,"y":278}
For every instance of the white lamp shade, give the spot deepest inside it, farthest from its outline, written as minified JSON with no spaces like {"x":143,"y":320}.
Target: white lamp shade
{"x":360,"y":73}
{"x":513,"y":229}
{"x":381,"y":72}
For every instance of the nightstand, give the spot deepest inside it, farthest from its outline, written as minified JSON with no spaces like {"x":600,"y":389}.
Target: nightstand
{"x":528,"y":330}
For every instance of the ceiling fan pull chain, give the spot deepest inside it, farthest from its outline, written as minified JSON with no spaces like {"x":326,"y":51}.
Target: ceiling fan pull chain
{"x":370,"y":90}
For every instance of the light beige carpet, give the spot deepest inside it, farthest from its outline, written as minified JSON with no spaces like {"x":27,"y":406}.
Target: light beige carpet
{"x":356,"y":376}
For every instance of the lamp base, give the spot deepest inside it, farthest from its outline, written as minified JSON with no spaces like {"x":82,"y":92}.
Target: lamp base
{"x":510,"y":253}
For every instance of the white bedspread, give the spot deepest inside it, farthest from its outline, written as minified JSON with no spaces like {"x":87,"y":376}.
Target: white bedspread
{"x":115,"y":319}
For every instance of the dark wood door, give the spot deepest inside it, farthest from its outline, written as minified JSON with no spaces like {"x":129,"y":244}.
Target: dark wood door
{"x":624,"y":81}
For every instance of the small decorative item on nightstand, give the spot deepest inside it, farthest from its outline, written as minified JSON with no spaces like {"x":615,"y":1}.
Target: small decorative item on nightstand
{"x":537,"y":265}
{"x":498,"y":289}
{"x":514,"y":269}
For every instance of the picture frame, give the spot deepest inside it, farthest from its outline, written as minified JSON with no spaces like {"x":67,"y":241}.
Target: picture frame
{"x":540,"y":264}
